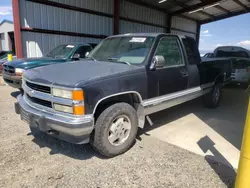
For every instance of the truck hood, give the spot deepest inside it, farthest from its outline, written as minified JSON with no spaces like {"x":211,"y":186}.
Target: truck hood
{"x":29,"y":63}
{"x":79,"y":73}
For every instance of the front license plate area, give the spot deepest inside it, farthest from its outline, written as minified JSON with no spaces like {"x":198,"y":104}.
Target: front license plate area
{"x":24,"y":116}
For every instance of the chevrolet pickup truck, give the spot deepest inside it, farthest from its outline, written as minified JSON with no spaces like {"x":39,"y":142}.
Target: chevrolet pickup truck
{"x":240,"y":58}
{"x":13,"y":70}
{"x":107,"y":97}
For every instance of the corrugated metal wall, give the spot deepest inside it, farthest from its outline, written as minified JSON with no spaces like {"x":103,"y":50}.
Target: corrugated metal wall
{"x":35,"y":15}
{"x":184,"y":24}
{"x":140,"y":13}
{"x":53,"y":18}
{"x":180,"y":25}
{"x":131,"y":27}
{"x":37,"y":44}
{"x":133,"y":18}
{"x":137,"y":12}
{"x":105,"y":6}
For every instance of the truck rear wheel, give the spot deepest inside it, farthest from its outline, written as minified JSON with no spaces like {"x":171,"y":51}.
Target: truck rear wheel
{"x":212,"y":99}
{"x":115,"y":130}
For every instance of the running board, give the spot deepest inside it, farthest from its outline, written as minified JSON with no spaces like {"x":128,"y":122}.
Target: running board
{"x":166,"y":101}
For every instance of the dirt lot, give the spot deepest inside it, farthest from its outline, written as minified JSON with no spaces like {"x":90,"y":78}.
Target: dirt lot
{"x":26,"y":161}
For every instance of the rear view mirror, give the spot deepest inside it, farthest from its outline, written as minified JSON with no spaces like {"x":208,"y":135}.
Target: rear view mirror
{"x":157,"y":62}
{"x":76,"y":56}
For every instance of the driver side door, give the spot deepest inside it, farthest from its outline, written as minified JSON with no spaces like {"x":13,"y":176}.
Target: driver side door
{"x":172,"y":76}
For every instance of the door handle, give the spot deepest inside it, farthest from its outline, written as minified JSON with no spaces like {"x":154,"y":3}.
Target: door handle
{"x":184,"y":73}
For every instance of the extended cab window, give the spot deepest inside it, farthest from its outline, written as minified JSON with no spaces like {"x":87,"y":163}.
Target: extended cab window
{"x":169,"y":48}
{"x":191,"y":50}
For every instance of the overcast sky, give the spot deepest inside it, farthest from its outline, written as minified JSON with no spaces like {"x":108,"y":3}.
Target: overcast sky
{"x":232,"y":31}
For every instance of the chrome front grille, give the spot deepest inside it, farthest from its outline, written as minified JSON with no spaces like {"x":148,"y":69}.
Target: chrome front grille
{"x":37,"y":87}
{"x":39,"y":101}
{"x":39,"y":96}
{"x":9,"y":69}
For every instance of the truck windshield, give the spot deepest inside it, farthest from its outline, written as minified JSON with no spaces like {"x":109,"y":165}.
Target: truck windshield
{"x":60,"y":51}
{"x":132,"y":50}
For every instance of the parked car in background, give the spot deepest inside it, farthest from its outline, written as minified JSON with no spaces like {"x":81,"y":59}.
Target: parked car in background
{"x":4,"y":54}
{"x":209,"y":55}
{"x":2,"y":61}
{"x":103,"y":100}
{"x":13,"y":70}
{"x":240,"y":58}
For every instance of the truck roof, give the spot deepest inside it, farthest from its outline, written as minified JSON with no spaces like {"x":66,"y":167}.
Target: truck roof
{"x":77,"y":44}
{"x":143,"y":34}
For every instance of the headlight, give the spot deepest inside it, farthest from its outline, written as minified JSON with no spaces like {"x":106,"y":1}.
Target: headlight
{"x":76,"y":110}
{"x":68,"y":94}
{"x":63,"y":108}
{"x":19,"y":71}
{"x":62,"y":93}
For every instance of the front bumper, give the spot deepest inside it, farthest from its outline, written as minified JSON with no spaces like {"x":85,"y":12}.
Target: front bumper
{"x":74,"y":130}
{"x":13,"y":80}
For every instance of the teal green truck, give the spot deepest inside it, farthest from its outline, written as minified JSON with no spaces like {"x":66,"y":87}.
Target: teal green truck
{"x":13,"y":70}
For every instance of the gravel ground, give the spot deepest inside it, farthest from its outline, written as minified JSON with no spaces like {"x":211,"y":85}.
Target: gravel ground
{"x":26,"y":161}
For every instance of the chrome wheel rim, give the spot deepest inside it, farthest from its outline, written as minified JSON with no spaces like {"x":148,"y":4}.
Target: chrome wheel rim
{"x":216,"y":95}
{"x":119,"y":130}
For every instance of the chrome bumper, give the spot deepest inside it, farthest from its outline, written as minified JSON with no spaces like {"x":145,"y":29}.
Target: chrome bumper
{"x":75,"y":130}
{"x":13,"y":80}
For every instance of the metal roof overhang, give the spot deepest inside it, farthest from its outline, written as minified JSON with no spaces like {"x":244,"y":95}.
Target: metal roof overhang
{"x":201,"y":11}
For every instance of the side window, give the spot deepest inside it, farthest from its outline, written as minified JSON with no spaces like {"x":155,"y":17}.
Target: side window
{"x":82,"y":51}
{"x":192,"y":50}
{"x":169,"y":48}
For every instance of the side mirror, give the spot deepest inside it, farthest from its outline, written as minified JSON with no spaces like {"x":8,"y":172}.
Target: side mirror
{"x":76,"y":56}
{"x":86,"y":54}
{"x":158,"y":61}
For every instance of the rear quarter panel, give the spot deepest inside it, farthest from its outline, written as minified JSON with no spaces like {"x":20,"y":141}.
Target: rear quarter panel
{"x":211,"y":68}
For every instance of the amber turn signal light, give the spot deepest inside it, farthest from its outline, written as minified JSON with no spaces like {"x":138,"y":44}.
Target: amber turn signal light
{"x":79,"y":110}
{"x":78,"y":95}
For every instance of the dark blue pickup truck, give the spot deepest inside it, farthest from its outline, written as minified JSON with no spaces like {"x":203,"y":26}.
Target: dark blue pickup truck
{"x":107,"y":97}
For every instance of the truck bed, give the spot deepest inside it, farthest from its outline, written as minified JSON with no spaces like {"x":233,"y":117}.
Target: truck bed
{"x":224,"y":63}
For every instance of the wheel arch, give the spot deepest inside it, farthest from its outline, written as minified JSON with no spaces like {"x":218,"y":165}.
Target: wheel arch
{"x":131,"y":97}
{"x":220,"y":78}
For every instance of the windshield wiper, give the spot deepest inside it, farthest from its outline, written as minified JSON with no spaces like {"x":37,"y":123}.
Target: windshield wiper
{"x":124,"y":62}
{"x":90,"y":57}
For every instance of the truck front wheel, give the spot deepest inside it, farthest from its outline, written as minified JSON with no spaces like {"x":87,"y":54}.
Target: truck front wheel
{"x":212,"y":99}
{"x":115,"y":130}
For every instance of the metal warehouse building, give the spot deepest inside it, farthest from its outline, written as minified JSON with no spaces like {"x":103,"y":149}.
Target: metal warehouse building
{"x":40,"y":25}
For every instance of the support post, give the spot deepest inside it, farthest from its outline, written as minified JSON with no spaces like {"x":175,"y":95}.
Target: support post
{"x":17,"y":29}
{"x":169,"y":23}
{"x":198,"y":30}
{"x":243,"y":174}
{"x":116,"y":16}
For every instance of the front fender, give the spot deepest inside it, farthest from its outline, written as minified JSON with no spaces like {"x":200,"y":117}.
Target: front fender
{"x":97,"y":91}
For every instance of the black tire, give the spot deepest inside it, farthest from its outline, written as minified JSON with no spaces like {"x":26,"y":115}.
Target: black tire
{"x":212,"y":99}
{"x":99,"y":139}
{"x":21,"y":91}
